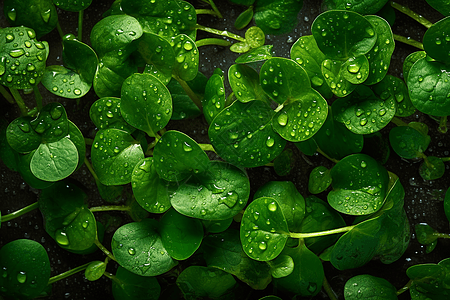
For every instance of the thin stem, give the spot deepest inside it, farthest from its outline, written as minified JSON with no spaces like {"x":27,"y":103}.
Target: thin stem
{"x":442,"y":235}
{"x":149,"y":151}
{"x":207,"y":147}
{"x":189,"y":92}
{"x":214,"y":7}
{"x":405,"y":288}
{"x":279,"y":107}
{"x":444,"y":159}
{"x":326,"y":156}
{"x":58,"y":27}
{"x":271,"y":164}
{"x":320,"y":233}
{"x":103,"y":248}
{"x":443,"y":125}
{"x":110,"y":208}
{"x":33,"y":112}
{"x":80,"y":25}
{"x":408,"y":41}
{"x":68,"y":273}
{"x":38,"y":97}
{"x":206,"y":12}
{"x":398,"y":122}
{"x":6,"y":94}
{"x":19,"y":101}
{"x":328,"y":289}
{"x":111,"y":276}
{"x":20,"y":212}
{"x":89,"y":166}
{"x":220,"y":32}
{"x":412,"y":14}
{"x":212,"y":41}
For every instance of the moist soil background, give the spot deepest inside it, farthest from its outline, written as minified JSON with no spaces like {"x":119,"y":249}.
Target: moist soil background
{"x":423,"y":200}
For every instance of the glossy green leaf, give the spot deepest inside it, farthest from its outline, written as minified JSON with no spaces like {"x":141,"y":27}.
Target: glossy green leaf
{"x":214,"y":100}
{"x":319,"y":180}
{"x":41,"y":15}
{"x":281,"y":266}
{"x":283,"y":164}
{"x":380,"y":55}
{"x":180,"y":235}
{"x":138,"y":248}
{"x":218,"y":193}
{"x":359,"y":185}
{"x":216,"y":226}
{"x":284,"y":80}
{"x":22,"y":56}
{"x":114,"y":154}
{"x":244,"y":82}
{"x":355,"y":69}
{"x":331,"y":70}
{"x":177,"y":156}
{"x":25,"y":269}
{"x":255,"y":37}
{"x":148,"y":188}
{"x":242,"y":134}
{"x":343,"y":34}
{"x":432,"y":168}
{"x":425,"y":234}
{"x":130,"y":286}
{"x":54,"y":161}
{"x":51,"y":123}
{"x":240,"y":47}
{"x":408,"y":142}
{"x":288,"y":198}
{"x":307,"y":54}
{"x":196,"y":282}
{"x":244,"y":18}
{"x":20,"y":135}
{"x":67,"y":219}
{"x":72,"y":5}
{"x":441,"y":6}
{"x":264,"y":230}
{"x":23,"y":165}
{"x":105,"y":113}
{"x":146,"y":103}
{"x":410,"y":60}
{"x":362,"y":7}
{"x":258,"y":54}
{"x":186,"y":57}
{"x":300,"y":120}
{"x":428,"y":88}
{"x":95,"y":270}
{"x":436,"y":41}
{"x":224,"y":251}
{"x":277,"y":16}
{"x":308,"y":275}
{"x":393,"y":87}
{"x":369,"y":287}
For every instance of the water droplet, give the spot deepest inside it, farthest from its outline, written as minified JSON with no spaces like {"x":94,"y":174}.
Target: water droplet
{"x":370,"y":31}
{"x":131,"y":251}
{"x":262,"y":246}
{"x":363,"y":164}
{"x":237,"y":75}
{"x":282,"y":119}
{"x":363,"y":122}
{"x":9,"y":38}
{"x":353,"y":68}
{"x":317,"y":81}
{"x":16,"y":53}
{"x":56,"y":113}
{"x":187,"y":147}
{"x":438,"y":41}
{"x":272,"y":206}
{"x":230,"y":199}
{"x":21,"y":277}
{"x":270,"y":142}
{"x":187,"y":46}
{"x":61,"y":237}
{"x":12,"y":14}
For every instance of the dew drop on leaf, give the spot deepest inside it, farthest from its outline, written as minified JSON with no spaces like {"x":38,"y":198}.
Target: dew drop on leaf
{"x":262,"y":246}
{"x":363,"y":164}
{"x":282,"y":119}
{"x":12,"y":14}
{"x":187,"y":147}
{"x":270,"y":142}
{"x":272,"y":206}
{"x":61,"y":238}
{"x":21,"y":277}
{"x":131,"y":251}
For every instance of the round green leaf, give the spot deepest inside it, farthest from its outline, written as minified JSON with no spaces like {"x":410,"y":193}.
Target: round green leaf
{"x":255,"y":37}
{"x":244,"y":82}
{"x":244,"y":19}
{"x":177,"y":156}
{"x":114,"y":154}
{"x":340,"y":86}
{"x":22,"y":57}
{"x":146,"y":103}
{"x":95,"y":270}
{"x":105,"y":113}
{"x":281,"y":266}
{"x":242,"y":134}
{"x":77,"y":139}
{"x":359,"y":185}
{"x":214,"y":100}
{"x":355,"y":69}
{"x":432,"y":168}
{"x":21,"y":137}
{"x":277,"y":16}
{"x":425,"y":233}
{"x":429,"y":88}
{"x":343,"y":34}
{"x":186,"y":57}
{"x":410,"y":60}
{"x":180,"y":235}
{"x":23,"y":165}
{"x":407,"y":142}
{"x":25,"y":269}
{"x":369,"y":287}
{"x":299,"y":120}
{"x":148,"y":188}
{"x":54,"y":161}
{"x":72,"y":5}
{"x":319,"y":180}
{"x":264,"y":230}
{"x":216,"y":226}
{"x":254,"y":55}
{"x":436,"y":41}
{"x":284,"y":80}
{"x":131,"y":286}
{"x":393,"y":87}
{"x":380,"y":55}
{"x":218,"y":193}
{"x":138,"y":248}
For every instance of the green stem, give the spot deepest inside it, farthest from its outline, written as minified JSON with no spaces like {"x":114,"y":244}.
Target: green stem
{"x":443,"y":125}
{"x":326,"y":156}
{"x":33,"y":112}
{"x":109,"y":208}
{"x":441,"y":235}
{"x":327,"y":287}
{"x":89,"y":166}
{"x":68,"y":273}
{"x":320,"y":233}
{"x":229,"y":100}
{"x":206,"y":12}
{"x":412,"y":14}
{"x":58,"y":27}
{"x":212,"y":41}
{"x":220,"y":32}
{"x":189,"y":92}
{"x":408,"y":41}
{"x":19,"y":101}
{"x":20,"y":212}
{"x":399,"y":122}
{"x":112,"y":277}
{"x":214,"y":7}
{"x":38,"y":97}
{"x":7,"y":95}
{"x":405,"y":288}
{"x":271,"y":164}
{"x":149,"y":151}
{"x":80,"y":25}
{"x":103,"y":248}
{"x":444,"y":159}
{"x":207,"y":147}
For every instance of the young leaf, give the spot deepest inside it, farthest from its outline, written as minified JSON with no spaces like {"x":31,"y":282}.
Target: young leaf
{"x":393,"y":87}
{"x":21,"y":137}
{"x":244,"y":18}
{"x":130,"y":286}
{"x":331,"y":70}
{"x":355,"y":69}
{"x":105,"y":113}
{"x":264,"y":230}
{"x":436,"y":41}
{"x":244,"y":82}
{"x":319,"y":180}
{"x":95,"y":270}
{"x":432,"y":168}
{"x":369,"y":287}
{"x":138,"y":248}
{"x":214,"y":100}
{"x":72,"y":5}
{"x":408,"y":142}
{"x":258,"y":54}
{"x":186,"y":57}
{"x":281,"y":266}
{"x":277,"y":16}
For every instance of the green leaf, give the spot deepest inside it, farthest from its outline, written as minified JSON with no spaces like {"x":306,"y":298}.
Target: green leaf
{"x":264,"y":230}
{"x":21,"y":137}
{"x":224,"y":251}
{"x":72,"y":5}
{"x":380,"y":55}
{"x":362,"y":7}
{"x":244,"y":18}
{"x":319,"y":180}
{"x":343,"y":34}
{"x":54,"y":161}
{"x":177,"y":156}
{"x":425,"y":234}
{"x":369,"y":287}
{"x":244,"y":82}
{"x":130,"y":286}
{"x":255,"y":37}
{"x":355,"y":69}
{"x":186,"y":57}
{"x":67,"y":219}
{"x":242,"y":134}
{"x":148,"y":188}
{"x":428,"y":88}
{"x":77,"y":139}
{"x":441,"y":6}
{"x":214,"y":100}
{"x":95,"y":270}
{"x":218,"y":193}
{"x":196,"y":282}
{"x":22,"y":56}
{"x":51,"y":123}
{"x":281,"y":266}
{"x":359,"y":185}
{"x":216,"y":226}
{"x":23,"y":164}
{"x":114,"y":154}
{"x":105,"y":113}
{"x":408,"y":142}
{"x":436,"y":41}
{"x":258,"y":54}
{"x":432,"y":168}
{"x":447,"y":204}
{"x":146,"y":103}
{"x":138,"y":248}
{"x":277,"y":17}
{"x":331,"y":70}
{"x":180,"y":235}
{"x":25,"y":268}
{"x":41,"y":15}
{"x":393,"y":87}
